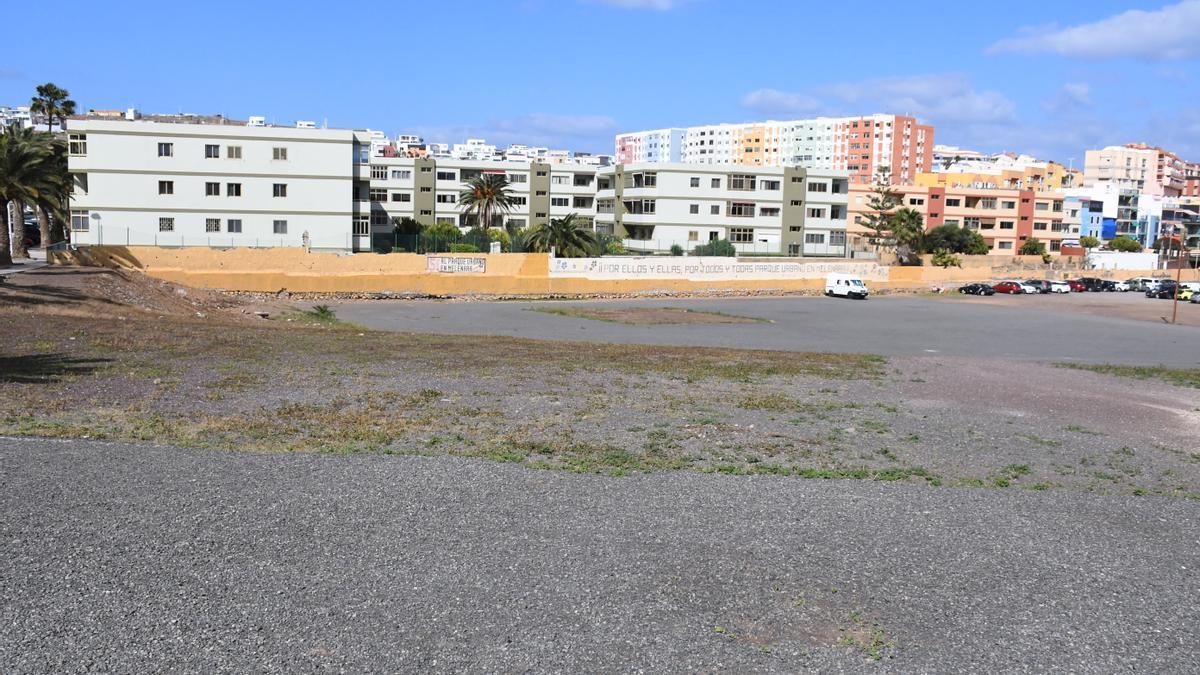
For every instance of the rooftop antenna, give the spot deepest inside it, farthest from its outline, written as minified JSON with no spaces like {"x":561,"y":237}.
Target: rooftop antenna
{"x":325,"y":124}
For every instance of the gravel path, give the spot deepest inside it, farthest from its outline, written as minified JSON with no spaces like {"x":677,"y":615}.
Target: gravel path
{"x":133,"y":558}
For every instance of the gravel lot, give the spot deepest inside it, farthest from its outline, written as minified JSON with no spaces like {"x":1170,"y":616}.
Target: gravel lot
{"x":133,"y":558}
{"x":1088,"y":327}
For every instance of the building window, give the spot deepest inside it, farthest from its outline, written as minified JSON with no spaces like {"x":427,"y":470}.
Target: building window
{"x":768,"y":211}
{"x":815,"y":186}
{"x":516,"y":223}
{"x":1039,"y":226}
{"x":541,"y":173}
{"x":166,"y":149}
{"x":837,"y":238}
{"x":212,"y":151}
{"x":640,"y":206}
{"x":1041,"y":206}
{"x":816,"y":212}
{"x":166,"y":187}
{"x":233,"y":189}
{"x":279,"y":226}
{"x":212,"y":224}
{"x":401,"y":197}
{"x":77,"y":144}
{"x":741,"y":181}
{"x":518,"y":178}
{"x":166,"y":224}
{"x":741,"y":209}
{"x":560,"y":180}
{"x":427,"y":169}
{"x":426,"y":212}
{"x":1004,"y":245}
{"x":447,"y":198}
{"x":212,"y":189}
{"x":987,"y":203}
{"x":1006,"y":224}
{"x":378,"y":218}
{"x":234,"y":152}
{"x":1056,"y":245}
{"x":797,"y":202}
{"x":280,"y":190}
{"x":814,"y":237}
{"x":716,"y":182}
{"x":694,"y":209}
{"x":955,"y":201}
{"x":797,"y":179}
{"x":444,"y":220}
{"x":560,"y":201}
{"x":280,"y":154}
{"x":1003,"y":205}
{"x":741,"y":235}
{"x":79,"y":221}
{"x":426,"y":189}
{"x":715,"y":209}
{"x":362,"y":225}
{"x":694,"y":181}
{"x":378,"y":172}
{"x":377,"y":195}
{"x":233,"y":226}
{"x":447,"y":175}
{"x":401,"y":174}
{"x":539,"y":215}
{"x":916,"y":201}
{"x":693,"y":235}
{"x":540,"y":193}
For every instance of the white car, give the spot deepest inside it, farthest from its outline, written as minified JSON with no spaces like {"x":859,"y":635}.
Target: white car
{"x":1027,"y":287}
{"x":846,"y":286}
{"x":1060,"y":287}
{"x":1121,"y":286}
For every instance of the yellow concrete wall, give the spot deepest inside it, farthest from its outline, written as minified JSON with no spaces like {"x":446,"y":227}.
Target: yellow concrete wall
{"x":293,"y":269}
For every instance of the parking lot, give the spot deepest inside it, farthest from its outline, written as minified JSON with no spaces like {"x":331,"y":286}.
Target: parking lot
{"x":1124,"y":328}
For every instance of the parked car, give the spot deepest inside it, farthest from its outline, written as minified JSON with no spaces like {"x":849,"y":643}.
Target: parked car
{"x":846,"y":285}
{"x":1076,"y":285}
{"x":1060,"y":287}
{"x":1164,"y":291}
{"x":1195,"y":299}
{"x":1137,"y":283}
{"x":1039,"y":285}
{"x":1121,"y":286}
{"x":1108,"y":285}
{"x":1010,"y":287}
{"x":977,"y":289}
{"x":1186,"y":293}
{"x":1092,"y":284}
{"x":1151,"y":284}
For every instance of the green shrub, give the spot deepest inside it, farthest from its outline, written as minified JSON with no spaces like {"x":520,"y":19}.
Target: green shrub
{"x":1088,"y":241}
{"x":717,"y":247}
{"x":1032,"y":246}
{"x":497,"y":234}
{"x":1124,"y":244}
{"x":676,"y":249}
{"x":464,"y":248}
{"x":944,"y":258}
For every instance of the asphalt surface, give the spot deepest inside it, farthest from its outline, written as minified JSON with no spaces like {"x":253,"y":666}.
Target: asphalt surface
{"x":886,"y":325}
{"x":134,"y":558}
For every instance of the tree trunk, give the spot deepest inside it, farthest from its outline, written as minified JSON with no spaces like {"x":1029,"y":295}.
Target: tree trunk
{"x":5,"y":255}
{"x":18,"y":234}
{"x":44,"y":226}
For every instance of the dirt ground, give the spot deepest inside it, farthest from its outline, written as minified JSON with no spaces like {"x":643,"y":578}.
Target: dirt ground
{"x":103,"y":355}
{"x":644,"y":316}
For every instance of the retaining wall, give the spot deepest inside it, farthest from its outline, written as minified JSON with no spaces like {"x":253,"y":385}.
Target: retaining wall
{"x":293,"y":269}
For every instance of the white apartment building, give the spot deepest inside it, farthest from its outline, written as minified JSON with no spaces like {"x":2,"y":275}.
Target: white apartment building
{"x":152,"y":183}
{"x":861,"y":146}
{"x":788,"y":210}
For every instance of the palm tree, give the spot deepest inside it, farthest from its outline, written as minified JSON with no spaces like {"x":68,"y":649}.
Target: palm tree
{"x":22,"y":180}
{"x":486,"y":195}
{"x":52,"y":101}
{"x":50,"y":188}
{"x":568,"y":238}
{"x":908,"y":229}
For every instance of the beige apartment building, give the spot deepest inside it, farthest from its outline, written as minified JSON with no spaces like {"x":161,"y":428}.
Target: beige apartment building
{"x":1005,"y":218}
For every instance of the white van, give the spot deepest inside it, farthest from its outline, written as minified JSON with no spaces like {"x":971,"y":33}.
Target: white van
{"x":846,"y":285}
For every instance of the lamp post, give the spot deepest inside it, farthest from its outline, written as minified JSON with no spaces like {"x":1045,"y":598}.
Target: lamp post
{"x":1178,"y":274}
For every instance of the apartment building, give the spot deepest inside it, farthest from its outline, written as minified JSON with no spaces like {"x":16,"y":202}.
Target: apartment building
{"x":228,"y":184}
{"x":1002,"y":171}
{"x":146,"y":182}
{"x":1124,"y":211}
{"x":860,"y":146}
{"x":654,"y":206}
{"x":1005,"y":218}
{"x":1140,"y":167}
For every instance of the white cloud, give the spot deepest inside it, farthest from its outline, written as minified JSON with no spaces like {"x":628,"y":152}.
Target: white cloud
{"x":775,"y":102}
{"x":940,"y":98}
{"x":1073,"y":96}
{"x":592,"y":133}
{"x":660,"y":5}
{"x":1168,"y":33}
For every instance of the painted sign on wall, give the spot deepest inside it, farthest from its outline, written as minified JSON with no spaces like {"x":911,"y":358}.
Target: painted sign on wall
{"x":452,"y":265}
{"x":708,"y":268}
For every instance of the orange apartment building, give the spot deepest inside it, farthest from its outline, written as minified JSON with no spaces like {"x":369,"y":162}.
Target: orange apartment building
{"x":1005,"y":218}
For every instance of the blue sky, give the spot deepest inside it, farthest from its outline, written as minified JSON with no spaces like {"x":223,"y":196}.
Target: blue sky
{"x":1050,"y":78}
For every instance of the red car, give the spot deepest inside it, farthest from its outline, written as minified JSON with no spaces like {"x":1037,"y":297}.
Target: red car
{"x":1076,"y":285}
{"x":1010,"y":287}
